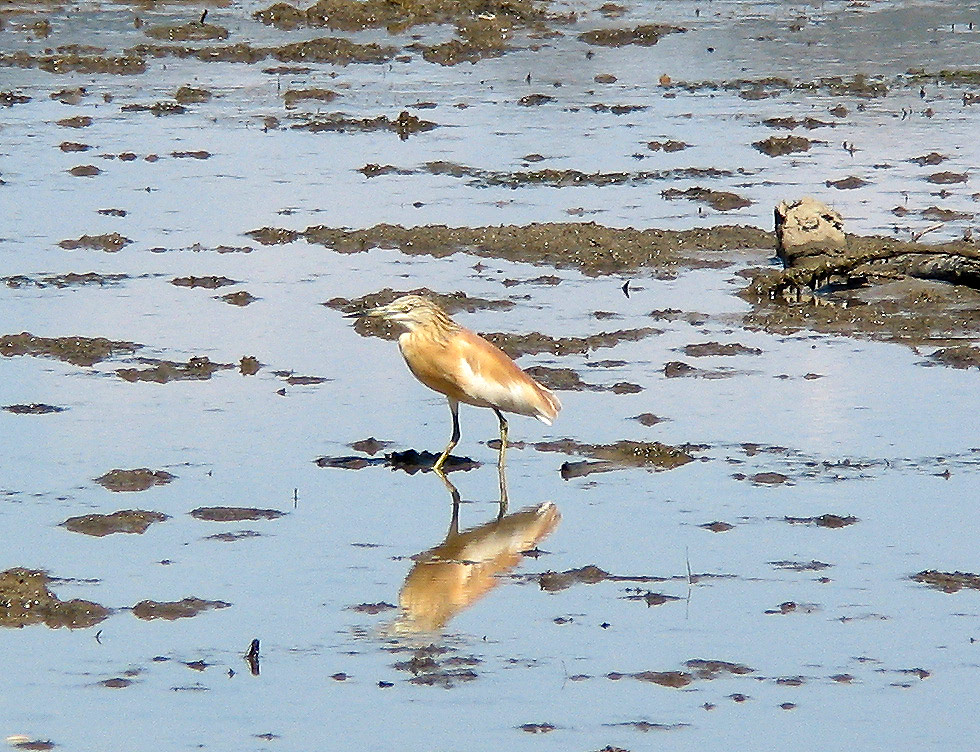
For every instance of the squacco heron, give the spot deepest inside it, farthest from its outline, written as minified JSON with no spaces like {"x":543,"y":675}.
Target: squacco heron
{"x":460,"y":364}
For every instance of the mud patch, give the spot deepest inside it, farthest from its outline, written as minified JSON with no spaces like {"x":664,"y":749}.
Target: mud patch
{"x":189,"y":32}
{"x":25,"y":599}
{"x":34,"y":408}
{"x":139,"y":479}
{"x":191,"y":95}
{"x":157,"y":108}
{"x":208,"y":283}
{"x":717,"y":200}
{"x":823,"y":520}
{"x":165,"y":371}
{"x":64,"y":280}
{"x":109,"y":242}
{"x":679,"y":369}
{"x":293,"y":96}
{"x":650,"y":455}
{"x":536,"y":343}
{"x":776,"y":146}
{"x":645,"y":35}
{"x":79,"y":351}
{"x":948,"y":582}
{"x":235,"y":514}
{"x":171,"y":610}
{"x":591,"y":248}
{"x":241,"y":298}
{"x":706,"y":349}
{"x":405,"y":124}
{"x":125,"y":521}
{"x":958,"y":356}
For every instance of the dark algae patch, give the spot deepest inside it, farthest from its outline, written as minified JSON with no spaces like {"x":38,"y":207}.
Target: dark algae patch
{"x":109,"y":242}
{"x":644,"y":35}
{"x":25,"y":599}
{"x":164,"y":371}
{"x":235,"y":514}
{"x":139,"y":479}
{"x":593,"y":249}
{"x":948,"y":582}
{"x":79,"y":351}
{"x":34,"y":408}
{"x":171,"y":610}
{"x":125,"y":521}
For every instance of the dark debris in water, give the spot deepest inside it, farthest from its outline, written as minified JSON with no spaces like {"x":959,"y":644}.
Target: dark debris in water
{"x":404,"y":124}
{"x":124,"y":521}
{"x":410,"y":461}
{"x":148,"y":610}
{"x":235,"y":514}
{"x":109,"y":242}
{"x":823,"y":520}
{"x":139,"y":479}
{"x":163,"y":371}
{"x":25,"y":599}
{"x":948,"y":582}
{"x":34,"y":408}
{"x":79,"y":351}
{"x":722,"y":201}
{"x":591,"y":248}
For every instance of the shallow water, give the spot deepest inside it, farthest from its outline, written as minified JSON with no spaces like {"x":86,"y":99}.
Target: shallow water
{"x":878,"y":436}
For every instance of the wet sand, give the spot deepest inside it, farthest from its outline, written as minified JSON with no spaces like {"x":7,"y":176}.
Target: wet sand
{"x":753,"y":519}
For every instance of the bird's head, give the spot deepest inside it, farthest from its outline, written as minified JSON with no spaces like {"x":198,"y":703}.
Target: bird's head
{"x":410,"y":311}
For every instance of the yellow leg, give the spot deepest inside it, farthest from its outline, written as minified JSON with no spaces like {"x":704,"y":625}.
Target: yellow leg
{"x":501,"y":462}
{"x":454,"y":493}
{"x":454,"y":439}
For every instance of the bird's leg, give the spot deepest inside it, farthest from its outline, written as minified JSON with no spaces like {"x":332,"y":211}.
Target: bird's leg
{"x":454,"y":439}
{"x":454,"y":492}
{"x":502,"y":478}
{"x":501,"y":460}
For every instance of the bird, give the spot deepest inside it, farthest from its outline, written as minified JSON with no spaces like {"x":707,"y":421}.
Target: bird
{"x":463,"y":366}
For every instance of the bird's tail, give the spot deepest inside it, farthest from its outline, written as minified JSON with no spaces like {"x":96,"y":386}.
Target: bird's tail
{"x":548,"y":406}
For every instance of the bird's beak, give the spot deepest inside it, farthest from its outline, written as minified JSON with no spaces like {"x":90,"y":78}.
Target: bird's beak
{"x":379,"y":312}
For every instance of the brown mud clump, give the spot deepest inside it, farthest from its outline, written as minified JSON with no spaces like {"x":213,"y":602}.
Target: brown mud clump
{"x":292,"y":96}
{"x":235,"y":514}
{"x":171,"y":610}
{"x":209,"y":283}
{"x":343,"y":15}
{"x":157,"y":108}
{"x":139,"y":479}
{"x":591,"y":248}
{"x":650,"y":455}
{"x":776,"y":146}
{"x":191,"y":95}
{"x":79,"y":351}
{"x":534,"y":343}
{"x":164,"y":371}
{"x":25,"y":600}
{"x":189,"y":32}
{"x":705,"y":349}
{"x":823,"y":520}
{"x":124,"y":521}
{"x":645,"y":35}
{"x":948,"y":582}
{"x":717,"y":200}
{"x":109,"y":242}
{"x":34,"y":408}
{"x":404,"y":125}
{"x":958,"y":356}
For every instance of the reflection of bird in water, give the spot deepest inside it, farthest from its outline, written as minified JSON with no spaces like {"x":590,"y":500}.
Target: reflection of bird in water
{"x":467,"y":565}
{"x":462,"y":365}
